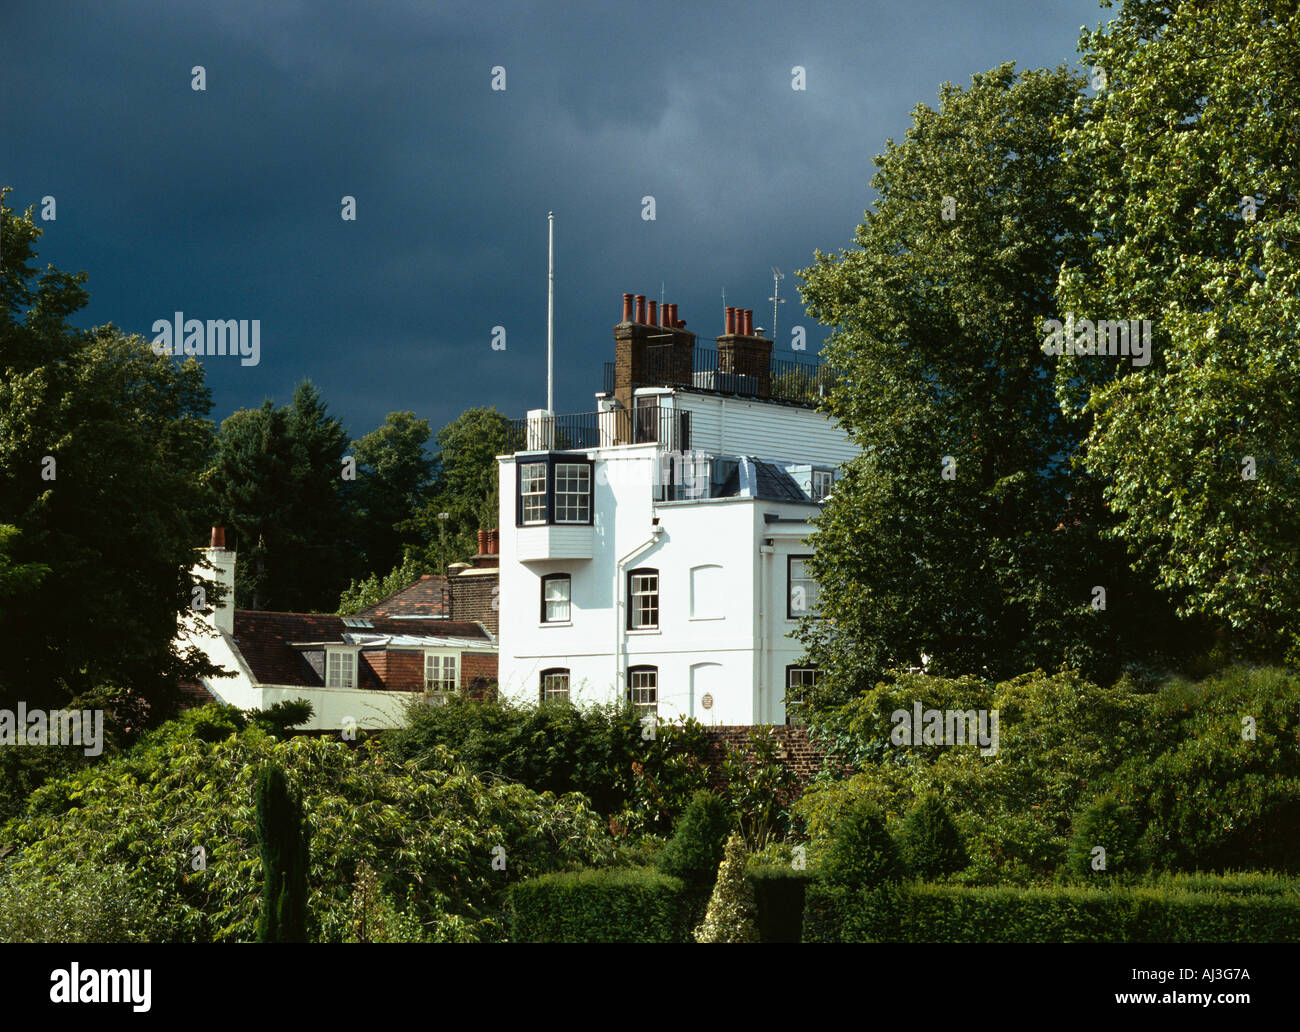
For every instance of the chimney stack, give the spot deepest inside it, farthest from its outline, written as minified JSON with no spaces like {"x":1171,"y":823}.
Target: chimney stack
{"x":220,"y":615}
{"x":742,"y":354}
{"x":646,"y":356}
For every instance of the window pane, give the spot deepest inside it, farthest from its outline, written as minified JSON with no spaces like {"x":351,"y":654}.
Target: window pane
{"x":572,"y":492}
{"x":532,"y":490}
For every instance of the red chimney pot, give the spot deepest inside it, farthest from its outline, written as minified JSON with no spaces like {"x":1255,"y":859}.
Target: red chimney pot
{"x":654,"y":316}
{"x":731,"y":319}
{"x":640,"y":308}
{"x":218,"y":537}
{"x":627,"y":307}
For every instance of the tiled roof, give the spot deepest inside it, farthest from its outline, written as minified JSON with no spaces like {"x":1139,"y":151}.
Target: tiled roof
{"x":426,"y":597}
{"x":264,"y":641}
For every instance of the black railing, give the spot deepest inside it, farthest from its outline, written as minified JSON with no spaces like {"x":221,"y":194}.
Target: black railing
{"x":646,"y":424}
{"x":800,"y":380}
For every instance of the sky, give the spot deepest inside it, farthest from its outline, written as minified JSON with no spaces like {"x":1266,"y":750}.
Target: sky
{"x":226,"y":202}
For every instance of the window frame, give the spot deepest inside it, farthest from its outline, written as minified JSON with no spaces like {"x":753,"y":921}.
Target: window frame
{"x":351,"y":656}
{"x":542,"y":696}
{"x":640,"y":708}
{"x":829,"y":476}
{"x":790,"y":669}
{"x":552,"y":460}
{"x":544,"y":494}
{"x":632,"y":595}
{"x":441,"y":655}
{"x":568,"y":599}
{"x":812,"y":610}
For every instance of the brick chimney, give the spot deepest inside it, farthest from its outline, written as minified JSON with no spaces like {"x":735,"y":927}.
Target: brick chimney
{"x":651,"y":348}
{"x":742,"y":352}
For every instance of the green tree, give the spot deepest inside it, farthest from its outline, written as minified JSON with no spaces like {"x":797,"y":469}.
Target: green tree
{"x":465,"y":486}
{"x":277,"y":482}
{"x":394,"y":474}
{"x":960,"y":531}
{"x":1191,"y":165}
{"x":102,"y":447}
{"x":285,"y":845}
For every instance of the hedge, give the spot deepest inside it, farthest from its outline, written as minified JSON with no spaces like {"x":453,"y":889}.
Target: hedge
{"x":952,"y":913}
{"x":779,"y":895}
{"x":633,"y":904}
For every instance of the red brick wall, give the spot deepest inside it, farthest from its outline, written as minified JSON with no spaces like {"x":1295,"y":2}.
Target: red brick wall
{"x":794,"y":751}
{"x":397,"y":671}
{"x":473,"y":665}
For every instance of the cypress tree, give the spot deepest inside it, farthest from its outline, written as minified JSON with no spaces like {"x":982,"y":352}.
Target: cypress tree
{"x":283,"y":837}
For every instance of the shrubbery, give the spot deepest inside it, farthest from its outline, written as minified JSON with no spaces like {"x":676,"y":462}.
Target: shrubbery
{"x":147,"y":813}
{"x":622,"y":905}
{"x":953,"y":913}
{"x":862,"y":853}
{"x":600,"y":751}
{"x":930,"y":843}
{"x":696,"y":848}
{"x":1163,"y":772}
{"x":731,"y":913}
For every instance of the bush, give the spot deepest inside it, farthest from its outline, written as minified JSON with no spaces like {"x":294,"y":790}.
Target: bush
{"x":1205,"y":796}
{"x":862,"y":853}
{"x":433,"y":832}
{"x":84,"y":904}
{"x":600,"y":751}
{"x":929,"y":841}
{"x":731,"y":913}
{"x":696,"y":848}
{"x":1114,"y":826}
{"x":623,"y":905}
{"x":951,"y":913}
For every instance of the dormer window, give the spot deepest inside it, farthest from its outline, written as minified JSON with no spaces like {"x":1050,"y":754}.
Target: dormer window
{"x":555,"y":490}
{"x":340,"y":668}
{"x":822,"y":482}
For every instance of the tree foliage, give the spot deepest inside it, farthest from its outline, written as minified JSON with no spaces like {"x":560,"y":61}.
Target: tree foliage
{"x":1191,"y":164}
{"x":960,"y":532}
{"x":102,"y":445}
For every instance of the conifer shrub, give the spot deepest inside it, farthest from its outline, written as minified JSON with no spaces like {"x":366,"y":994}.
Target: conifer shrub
{"x":284,"y":841}
{"x":862,"y":853}
{"x":696,"y":848}
{"x":1114,"y":826}
{"x":732,"y":911}
{"x":930,"y":843}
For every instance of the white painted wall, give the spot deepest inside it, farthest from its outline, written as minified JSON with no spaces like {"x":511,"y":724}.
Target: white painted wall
{"x":734,"y":643}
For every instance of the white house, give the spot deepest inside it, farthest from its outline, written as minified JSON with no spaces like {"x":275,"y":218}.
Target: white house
{"x":653,"y":550}
{"x":359,"y":672}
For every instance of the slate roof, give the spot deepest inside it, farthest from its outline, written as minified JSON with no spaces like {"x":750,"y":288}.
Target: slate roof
{"x":773,"y":484}
{"x":264,"y":641}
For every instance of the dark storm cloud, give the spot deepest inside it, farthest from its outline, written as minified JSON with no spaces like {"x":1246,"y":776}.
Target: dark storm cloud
{"x":226,"y":203}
